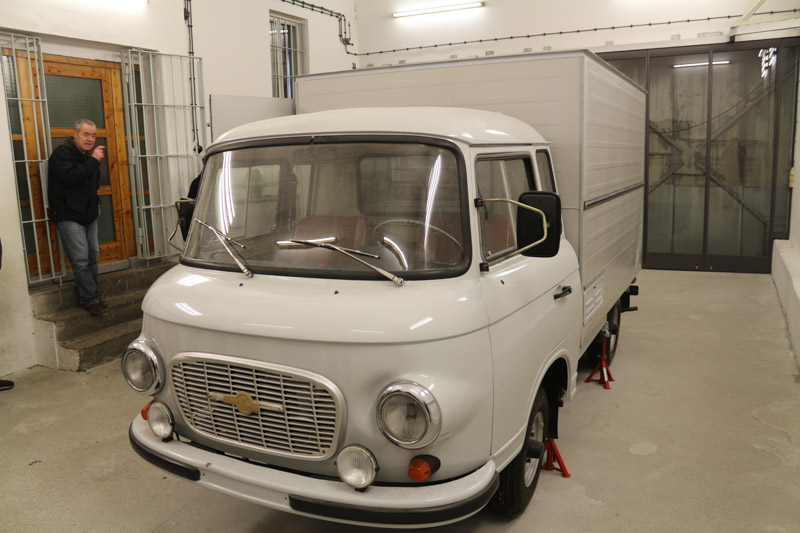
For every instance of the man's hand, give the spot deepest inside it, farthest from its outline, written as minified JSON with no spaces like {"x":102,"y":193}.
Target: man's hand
{"x":99,"y":153}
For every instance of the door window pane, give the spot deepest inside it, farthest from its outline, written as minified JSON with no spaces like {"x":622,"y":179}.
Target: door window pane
{"x":70,"y":99}
{"x":9,"y":80}
{"x":28,"y":230}
{"x":545,"y":171}
{"x":500,"y":179}
{"x":105,"y":221}
{"x":677,"y":158}
{"x":742,"y":135}
{"x":21,"y":171}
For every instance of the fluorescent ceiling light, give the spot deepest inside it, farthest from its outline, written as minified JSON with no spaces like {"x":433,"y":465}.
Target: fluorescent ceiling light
{"x":440,"y":9}
{"x":700,"y":64}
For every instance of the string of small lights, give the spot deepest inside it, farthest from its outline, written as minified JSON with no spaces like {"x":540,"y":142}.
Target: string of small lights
{"x":567,"y":32}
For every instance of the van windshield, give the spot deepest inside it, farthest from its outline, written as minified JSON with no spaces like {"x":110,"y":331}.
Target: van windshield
{"x":397,"y":206}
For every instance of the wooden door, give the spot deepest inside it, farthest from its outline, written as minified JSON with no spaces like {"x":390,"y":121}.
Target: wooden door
{"x":78,"y":89}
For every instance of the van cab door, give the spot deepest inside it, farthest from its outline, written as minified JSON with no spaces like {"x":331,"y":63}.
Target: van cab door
{"x":533,"y":318}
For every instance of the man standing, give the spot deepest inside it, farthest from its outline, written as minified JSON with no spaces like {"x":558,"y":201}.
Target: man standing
{"x":73,"y":180}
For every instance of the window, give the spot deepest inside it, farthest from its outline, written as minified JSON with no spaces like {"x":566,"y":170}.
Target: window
{"x":287,"y":37}
{"x":501,"y":178}
{"x":392,"y":205}
{"x":545,"y":171}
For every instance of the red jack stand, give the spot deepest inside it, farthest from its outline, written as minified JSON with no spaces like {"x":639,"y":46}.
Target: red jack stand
{"x":605,"y":373}
{"x":551,"y":450}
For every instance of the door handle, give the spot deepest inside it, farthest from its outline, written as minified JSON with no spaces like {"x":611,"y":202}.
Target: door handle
{"x":565,"y":291}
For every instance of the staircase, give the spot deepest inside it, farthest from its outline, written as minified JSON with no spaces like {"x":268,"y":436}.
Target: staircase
{"x":80,"y":340}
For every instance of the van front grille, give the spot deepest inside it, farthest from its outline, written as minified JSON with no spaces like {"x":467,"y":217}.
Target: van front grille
{"x":270,"y":408}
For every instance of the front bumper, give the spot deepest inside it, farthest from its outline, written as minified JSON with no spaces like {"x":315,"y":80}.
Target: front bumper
{"x":412,"y":506}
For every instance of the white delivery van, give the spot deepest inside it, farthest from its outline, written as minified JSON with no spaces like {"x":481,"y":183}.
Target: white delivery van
{"x":377,"y":314}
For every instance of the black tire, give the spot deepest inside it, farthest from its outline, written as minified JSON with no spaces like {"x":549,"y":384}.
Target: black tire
{"x":595,"y":350}
{"x":518,"y":480}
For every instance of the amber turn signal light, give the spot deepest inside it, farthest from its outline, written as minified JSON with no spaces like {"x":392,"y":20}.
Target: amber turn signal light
{"x":422,"y":467}
{"x":419,"y":470}
{"x":145,"y":409}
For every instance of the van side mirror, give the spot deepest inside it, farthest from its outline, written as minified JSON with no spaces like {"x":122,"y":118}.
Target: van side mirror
{"x":185,"y":208}
{"x":530,"y":226}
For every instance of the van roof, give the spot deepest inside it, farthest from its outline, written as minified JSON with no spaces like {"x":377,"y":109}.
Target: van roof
{"x":470,"y":126}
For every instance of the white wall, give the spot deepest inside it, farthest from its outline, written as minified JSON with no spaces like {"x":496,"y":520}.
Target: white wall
{"x":232,"y":37}
{"x":378,"y":30}
{"x":17,"y":346}
{"x":125,"y":23}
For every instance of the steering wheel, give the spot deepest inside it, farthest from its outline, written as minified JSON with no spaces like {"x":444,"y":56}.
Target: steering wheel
{"x":414,"y":222}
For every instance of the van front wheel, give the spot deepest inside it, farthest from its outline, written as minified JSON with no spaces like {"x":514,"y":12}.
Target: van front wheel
{"x":518,"y":480}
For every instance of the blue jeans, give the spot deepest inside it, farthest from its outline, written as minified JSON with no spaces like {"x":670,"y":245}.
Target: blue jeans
{"x":80,"y":244}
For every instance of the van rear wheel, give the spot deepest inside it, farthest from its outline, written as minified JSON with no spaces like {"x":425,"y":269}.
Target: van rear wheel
{"x":518,"y":480}
{"x":595,"y":350}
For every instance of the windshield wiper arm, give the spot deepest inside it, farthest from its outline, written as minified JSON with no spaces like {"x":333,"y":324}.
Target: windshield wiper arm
{"x":352,"y":254}
{"x":224,"y":239}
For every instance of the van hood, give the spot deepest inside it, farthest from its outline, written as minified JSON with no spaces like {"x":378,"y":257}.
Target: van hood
{"x":313,"y":309}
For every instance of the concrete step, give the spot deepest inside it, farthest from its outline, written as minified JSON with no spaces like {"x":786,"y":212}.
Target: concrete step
{"x":98,"y":347}
{"x":50,"y":299}
{"x":75,"y":322}
{"x":81,"y":340}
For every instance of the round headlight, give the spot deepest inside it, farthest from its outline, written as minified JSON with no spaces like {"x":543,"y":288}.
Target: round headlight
{"x":141,"y":367}
{"x":409,"y":415}
{"x":159,"y":418}
{"x":357,"y":466}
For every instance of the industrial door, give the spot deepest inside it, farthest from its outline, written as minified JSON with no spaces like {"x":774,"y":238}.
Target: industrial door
{"x":720,"y":143}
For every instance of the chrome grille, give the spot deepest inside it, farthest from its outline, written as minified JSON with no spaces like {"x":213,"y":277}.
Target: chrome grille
{"x":299,"y":412}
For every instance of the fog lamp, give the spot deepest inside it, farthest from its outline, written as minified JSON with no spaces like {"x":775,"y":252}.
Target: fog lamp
{"x":357,"y":466}
{"x":141,"y":367}
{"x":409,"y":415}
{"x":159,"y":418}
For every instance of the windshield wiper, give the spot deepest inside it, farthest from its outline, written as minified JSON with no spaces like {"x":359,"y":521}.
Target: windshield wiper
{"x":352,"y":254}
{"x":224,"y":239}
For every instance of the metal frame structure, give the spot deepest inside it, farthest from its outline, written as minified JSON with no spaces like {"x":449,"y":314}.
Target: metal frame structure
{"x":705,"y":260}
{"x":164,"y":127}
{"x":27,"y":51}
{"x":288,"y":53}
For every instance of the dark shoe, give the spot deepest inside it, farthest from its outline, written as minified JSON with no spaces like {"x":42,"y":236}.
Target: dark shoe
{"x":96,"y":309}
{"x":104,"y":304}
{"x":6,"y":385}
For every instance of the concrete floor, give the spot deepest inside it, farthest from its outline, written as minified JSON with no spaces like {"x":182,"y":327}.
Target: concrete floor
{"x":700,"y":432}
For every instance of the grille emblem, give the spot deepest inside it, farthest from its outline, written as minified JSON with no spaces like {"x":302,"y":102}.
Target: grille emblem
{"x":245,"y":403}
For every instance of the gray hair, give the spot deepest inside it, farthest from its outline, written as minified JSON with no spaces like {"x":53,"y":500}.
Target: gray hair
{"x":80,"y":122}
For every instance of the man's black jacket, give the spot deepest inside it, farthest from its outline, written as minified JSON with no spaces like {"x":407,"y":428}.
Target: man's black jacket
{"x":72,"y":183}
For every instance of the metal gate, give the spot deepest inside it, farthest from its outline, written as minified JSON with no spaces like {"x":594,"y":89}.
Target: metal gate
{"x":165,"y":130}
{"x":29,"y":129}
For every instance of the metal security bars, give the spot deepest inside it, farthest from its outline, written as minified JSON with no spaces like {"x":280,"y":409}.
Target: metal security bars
{"x":164,"y":127}
{"x":29,"y":128}
{"x":288,"y":52}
